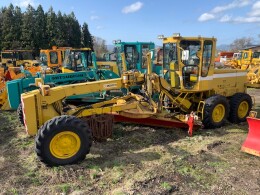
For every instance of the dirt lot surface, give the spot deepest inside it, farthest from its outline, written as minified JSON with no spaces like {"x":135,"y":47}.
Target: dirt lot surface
{"x":136,"y":160}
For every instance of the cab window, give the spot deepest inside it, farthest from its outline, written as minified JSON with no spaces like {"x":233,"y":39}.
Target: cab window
{"x":169,"y":55}
{"x":206,"y":58}
{"x":245,"y":55}
{"x":189,"y":52}
{"x":131,"y":56}
{"x":43,"y":58}
{"x":190,"y":57}
{"x":53,"y":57}
{"x":145,"y":50}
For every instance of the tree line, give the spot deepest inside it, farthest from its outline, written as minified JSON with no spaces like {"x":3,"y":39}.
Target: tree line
{"x":34,"y":29}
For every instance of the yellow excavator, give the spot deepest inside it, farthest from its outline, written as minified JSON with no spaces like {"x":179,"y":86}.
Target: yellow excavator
{"x":192,"y":89}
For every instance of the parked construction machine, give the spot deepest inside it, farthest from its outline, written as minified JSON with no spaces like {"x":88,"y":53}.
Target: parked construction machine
{"x":246,"y":60}
{"x":190,"y":87}
{"x":79,"y":60}
{"x":53,"y":58}
{"x":134,"y":55}
{"x":79,"y":66}
{"x":250,"y":61}
{"x":14,"y":58}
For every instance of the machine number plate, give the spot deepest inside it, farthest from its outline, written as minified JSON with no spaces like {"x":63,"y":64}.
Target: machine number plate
{"x":111,"y":85}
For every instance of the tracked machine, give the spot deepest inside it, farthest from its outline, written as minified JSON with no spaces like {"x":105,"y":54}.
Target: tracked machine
{"x":190,"y":89}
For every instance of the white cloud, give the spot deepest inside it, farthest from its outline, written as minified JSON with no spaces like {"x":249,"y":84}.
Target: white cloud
{"x":239,"y":19}
{"x":252,"y":17}
{"x":205,"y":17}
{"x":217,"y":12}
{"x":25,"y":3}
{"x":246,"y":20}
{"x":132,"y":8}
{"x":232,"y":5}
{"x":225,"y":18}
{"x":255,"y":9}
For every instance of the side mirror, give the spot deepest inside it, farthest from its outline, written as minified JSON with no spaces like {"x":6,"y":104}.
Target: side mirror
{"x":185,"y":55}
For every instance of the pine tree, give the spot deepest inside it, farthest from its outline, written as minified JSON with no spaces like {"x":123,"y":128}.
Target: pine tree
{"x":61,"y":36}
{"x":86,"y":37}
{"x":1,"y":24}
{"x":51,"y":27}
{"x":35,"y":29}
{"x":28,"y":29}
{"x":73,"y":31}
{"x":17,"y":28}
{"x":7,"y":27}
{"x":41,"y":41}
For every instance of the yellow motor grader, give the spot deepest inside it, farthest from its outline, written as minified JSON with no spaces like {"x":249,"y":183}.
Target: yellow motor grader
{"x":246,"y":59}
{"x":190,"y":85}
{"x":250,"y":61}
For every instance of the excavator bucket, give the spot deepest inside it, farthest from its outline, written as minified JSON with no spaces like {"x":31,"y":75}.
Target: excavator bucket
{"x":252,"y":143}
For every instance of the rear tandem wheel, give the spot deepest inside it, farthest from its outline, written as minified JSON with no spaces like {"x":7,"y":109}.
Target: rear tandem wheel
{"x":240,"y":106}
{"x":216,"y":111}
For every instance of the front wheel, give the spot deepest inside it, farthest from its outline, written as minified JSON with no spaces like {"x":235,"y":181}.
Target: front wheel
{"x":63,"y":140}
{"x":216,"y":111}
{"x":240,"y":106}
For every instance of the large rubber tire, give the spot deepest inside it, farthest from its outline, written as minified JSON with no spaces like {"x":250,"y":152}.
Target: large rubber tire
{"x":216,"y":111}
{"x":240,"y":106}
{"x":20,"y":113}
{"x":63,"y":140}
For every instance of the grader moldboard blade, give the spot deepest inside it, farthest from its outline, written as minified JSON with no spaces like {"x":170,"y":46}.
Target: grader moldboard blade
{"x":159,"y":122}
{"x":252,"y":143}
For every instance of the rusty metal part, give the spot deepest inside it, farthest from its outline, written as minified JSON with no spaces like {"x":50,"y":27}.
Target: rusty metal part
{"x":101,"y":126}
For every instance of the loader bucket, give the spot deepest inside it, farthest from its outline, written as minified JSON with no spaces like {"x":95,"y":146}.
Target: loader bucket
{"x":252,"y":143}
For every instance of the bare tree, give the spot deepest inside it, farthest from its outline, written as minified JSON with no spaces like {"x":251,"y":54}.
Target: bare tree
{"x":99,"y":47}
{"x":239,"y":44}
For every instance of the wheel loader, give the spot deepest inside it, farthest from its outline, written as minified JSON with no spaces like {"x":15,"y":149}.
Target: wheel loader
{"x":190,"y":89}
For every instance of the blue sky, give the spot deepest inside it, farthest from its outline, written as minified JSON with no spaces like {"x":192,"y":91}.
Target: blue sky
{"x":143,"y":20}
